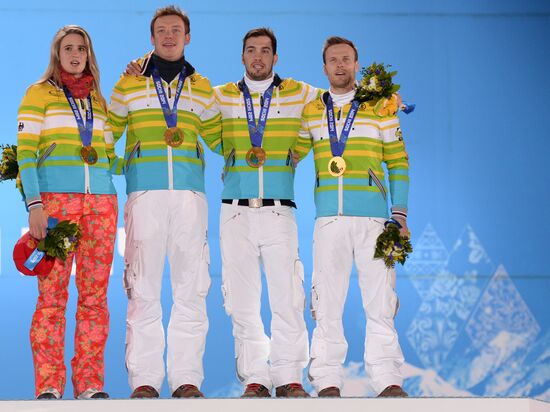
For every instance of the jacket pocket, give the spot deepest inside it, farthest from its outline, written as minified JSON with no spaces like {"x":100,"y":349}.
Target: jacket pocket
{"x":377,"y":182}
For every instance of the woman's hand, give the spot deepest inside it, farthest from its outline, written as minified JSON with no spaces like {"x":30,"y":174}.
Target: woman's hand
{"x":38,"y":223}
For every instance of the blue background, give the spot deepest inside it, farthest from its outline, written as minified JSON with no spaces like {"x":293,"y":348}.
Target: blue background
{"x":478,"y":143}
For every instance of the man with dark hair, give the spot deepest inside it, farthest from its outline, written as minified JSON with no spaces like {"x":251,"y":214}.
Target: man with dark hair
{"x":335,"y":40}
{"x":261,"y":32}
{"x":257,"y":224}
{"x":350,"y":199}
{"x":164,"y":109}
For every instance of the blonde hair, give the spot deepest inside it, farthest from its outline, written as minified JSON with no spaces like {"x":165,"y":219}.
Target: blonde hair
{"x":52,"y":71}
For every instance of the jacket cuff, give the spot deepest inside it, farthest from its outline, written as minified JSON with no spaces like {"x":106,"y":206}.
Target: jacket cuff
{"x":34,"y":202}
{"x":399,"y":212}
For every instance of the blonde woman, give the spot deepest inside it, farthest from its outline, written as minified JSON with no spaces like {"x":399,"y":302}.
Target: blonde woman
{"x":65,"y":162}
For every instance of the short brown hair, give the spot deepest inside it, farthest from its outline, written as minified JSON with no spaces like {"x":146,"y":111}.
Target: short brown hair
{"x":171,"y":11}
{"x":262,"y":31}
{"x":333,"y":41}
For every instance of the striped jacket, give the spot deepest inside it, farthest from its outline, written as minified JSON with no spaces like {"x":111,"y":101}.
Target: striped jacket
{"x":373,"y":140}
{"x":45,"y":118}
{"x":275,"y":179}
{"x":157,"y":166}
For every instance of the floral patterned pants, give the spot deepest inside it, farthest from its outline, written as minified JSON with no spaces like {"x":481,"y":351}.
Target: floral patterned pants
{"x":97,"y":217}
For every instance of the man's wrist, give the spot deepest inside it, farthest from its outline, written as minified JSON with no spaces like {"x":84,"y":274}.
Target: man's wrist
{"x":399,"y":213}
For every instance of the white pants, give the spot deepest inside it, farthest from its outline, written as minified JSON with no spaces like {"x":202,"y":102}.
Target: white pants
{"x":250,"y":237}
{"x":339,"y":241}
{"x":162,"y":223}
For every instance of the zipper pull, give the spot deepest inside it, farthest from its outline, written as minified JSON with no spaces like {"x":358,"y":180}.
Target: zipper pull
{"x":169,"y":92}
{"x":261,"y":100}
{"x":339,"y":113}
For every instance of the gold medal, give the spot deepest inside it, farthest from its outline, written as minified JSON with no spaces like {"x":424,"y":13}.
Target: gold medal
{"x":173,"y":136}
{"x":88,"y":155}
{"x":337,"y":166}
{"x":255,"y":157}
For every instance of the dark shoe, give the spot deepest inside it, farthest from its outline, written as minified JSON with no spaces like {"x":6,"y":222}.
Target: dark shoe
{"x":393,"y":391}
{"x":144,"y":391}
{"x":100,"y":395}
{"x":47,"y":395}
{"x":187,"y":391}
{"x":93,"y":393}
{"x":291,"y":390}
{"x":255,"y":390}
{"x":330,"y":392}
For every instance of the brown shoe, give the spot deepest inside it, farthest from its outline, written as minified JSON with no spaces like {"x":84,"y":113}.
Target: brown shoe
{"x":144,"y":391}
{"x":255,"y":390}
{"x":291,"y":390}
{"x":187,"y":391}
{"x":330,"y":392}
{"x":393,"y":391}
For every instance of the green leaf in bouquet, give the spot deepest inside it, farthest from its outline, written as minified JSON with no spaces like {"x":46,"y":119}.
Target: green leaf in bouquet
{"x":54,"y":244}
{"x":9,"y":168}
{"x":392,"y":247}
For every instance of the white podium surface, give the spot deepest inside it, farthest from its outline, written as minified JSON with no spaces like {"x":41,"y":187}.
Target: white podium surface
{"x":283,"y":405}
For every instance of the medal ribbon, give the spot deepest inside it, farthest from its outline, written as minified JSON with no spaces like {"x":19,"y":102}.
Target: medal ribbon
{"x":170,"y":115}
{"x":337,"y":146}
{"x":86,"y":130}
{"x":256,"y":131}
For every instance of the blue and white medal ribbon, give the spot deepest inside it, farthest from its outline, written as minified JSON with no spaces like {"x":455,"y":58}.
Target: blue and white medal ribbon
{"x":255,"y":157}
{"x":337,"y":165}
{"x":86,"y":129}
{"x":172,"y":135}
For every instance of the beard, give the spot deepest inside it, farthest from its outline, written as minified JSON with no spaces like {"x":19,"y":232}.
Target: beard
{"x":342,"y":82}
{"x":259,"y":75}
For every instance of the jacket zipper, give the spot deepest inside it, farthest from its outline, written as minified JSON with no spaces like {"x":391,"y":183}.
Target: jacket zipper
{"x":169,"y":148}
{"x":87,"y":179}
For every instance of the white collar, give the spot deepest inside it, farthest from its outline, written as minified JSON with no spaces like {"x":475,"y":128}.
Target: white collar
{"x":258,"y":86}
{"x":341,"y":100}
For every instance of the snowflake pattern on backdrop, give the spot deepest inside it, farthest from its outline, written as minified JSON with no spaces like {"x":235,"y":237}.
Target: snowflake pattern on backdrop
{"x":451,"y":298}
{"x":429,"y":259}
{"x":501,"y":308}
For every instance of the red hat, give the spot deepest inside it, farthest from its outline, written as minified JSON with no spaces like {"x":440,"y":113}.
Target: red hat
{"x":21,"y":252}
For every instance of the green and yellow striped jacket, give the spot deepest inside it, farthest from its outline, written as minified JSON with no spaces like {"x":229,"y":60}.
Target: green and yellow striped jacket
{"x":373,"y":140}
{"x":157,"y":166}
{"x":45,"y":118}
{"x":275,"y":179}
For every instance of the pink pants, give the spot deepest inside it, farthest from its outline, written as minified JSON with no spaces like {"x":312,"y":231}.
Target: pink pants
{"x":97,"y":217}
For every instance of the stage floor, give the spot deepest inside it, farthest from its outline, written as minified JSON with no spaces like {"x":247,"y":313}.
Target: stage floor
{"x":286,"y":405}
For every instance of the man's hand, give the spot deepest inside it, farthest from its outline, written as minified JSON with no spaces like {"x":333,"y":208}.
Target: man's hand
{"x":398,"y":99}
{"x":295,"y":158}
{"x":133,"y":68}
{"x":404,"y":230}
{"x":38,"y":223}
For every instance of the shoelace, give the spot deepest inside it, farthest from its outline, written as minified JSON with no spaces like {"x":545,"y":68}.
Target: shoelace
{"x":148,"y":389}
{"x":294,"y":386}
{"x":256,"y":387}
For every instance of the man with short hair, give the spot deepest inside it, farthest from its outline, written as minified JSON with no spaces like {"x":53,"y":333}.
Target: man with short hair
{"x":350,"y":142}
{"x":260,"y":122}
{"x":164,"y":110}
